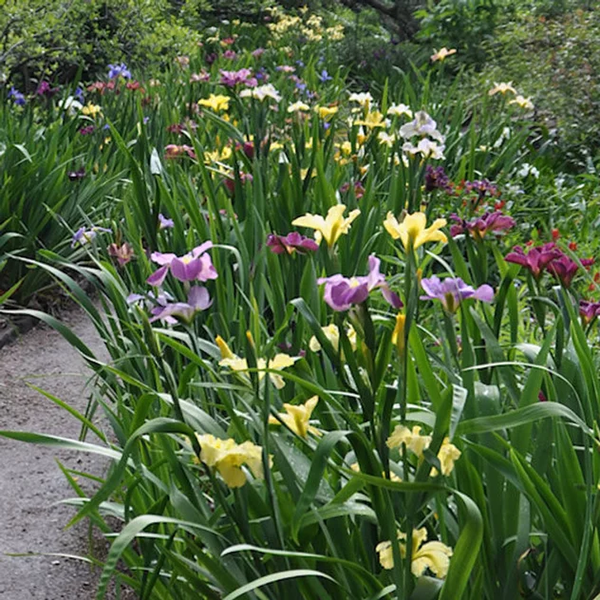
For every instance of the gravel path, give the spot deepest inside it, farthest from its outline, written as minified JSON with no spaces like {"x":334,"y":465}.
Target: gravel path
{"x":30,"y":480}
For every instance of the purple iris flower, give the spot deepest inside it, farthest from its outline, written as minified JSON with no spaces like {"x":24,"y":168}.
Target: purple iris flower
{"x":45,"y":89}
{"x":482,"y":187}
{"x":490,"y":221}
{"x":342,"y":292}
{"x":564,"y":268}
{"x":164,"y":222}
{"x":325,"y":76}
{"x":262,"y":75}
{"x":121,"y":70}
{"x":194,"y":266}
{"x":78,"y":95}
{"x":85,"y":236}
{"x":291,"y":243}
{"x":17,"y":96}
{"x":437,"y":179}
{"x":233,"y":78}
{"x":588,"y":311}
{"x":198,"y":300}
{"x":452,"y":291}
{"x":536,"y":260}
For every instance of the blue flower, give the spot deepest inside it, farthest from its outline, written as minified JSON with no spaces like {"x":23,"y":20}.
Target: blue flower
{"x":121,"y":70}
{"x":78,"y":95}
{"x":324,"y":76}
{"x":18,"y":97}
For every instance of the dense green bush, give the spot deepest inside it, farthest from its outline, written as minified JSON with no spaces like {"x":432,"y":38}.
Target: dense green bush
{"x":53,"y":39}
{"x":556,"y":61}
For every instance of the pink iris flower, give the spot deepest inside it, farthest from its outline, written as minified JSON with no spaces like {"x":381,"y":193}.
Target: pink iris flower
{"x":536,"y":260}
{"x":194,"y":266}
{"x":342,"y":292}
{"x":491,"y":221}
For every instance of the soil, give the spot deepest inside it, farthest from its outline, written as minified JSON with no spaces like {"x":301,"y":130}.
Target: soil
{"x":31,"y":484}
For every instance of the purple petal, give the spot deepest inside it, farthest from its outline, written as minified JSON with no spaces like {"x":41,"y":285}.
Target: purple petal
{"x":185,"y":271}
{"x":391,"y":297}
{"x":207,"y":270}
{"x":199,"y":298}
{"x":162,"y":259}
{"x":158,"y":277}
{"x":485,"y":293}
{"x":375,"y":278}
{"x":432,"y":287}
{"x":336,"y":296}
{"x":198,"y":250}
{"x":133,"y":298}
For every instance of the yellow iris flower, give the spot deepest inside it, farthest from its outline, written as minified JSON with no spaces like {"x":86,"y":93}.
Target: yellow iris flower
{"x":447,"y":455}
{"x":228,"y":457}
{"x":434,"y":556}
{"x":91,"y":110}
{"x":331,"y":227}
{"x":413,"y":231}
{"x":373,"y":119}
{"x":332,"y":333}
{"x":235,"y":363}
{"x":502,"y":88}
{"x":442,"y":54}
{"x":298,"y":107}
{"x":297,"y":417}
{"x":398,"y":333}
{"x":218,"y":156}
{"x":523,"y":102}
{"x":413,"y":439}
{"x":326,"y":112}
{"x":215,"y":102}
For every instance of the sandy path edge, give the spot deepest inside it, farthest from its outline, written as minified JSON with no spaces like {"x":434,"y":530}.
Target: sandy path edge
{"x":30,"y":481}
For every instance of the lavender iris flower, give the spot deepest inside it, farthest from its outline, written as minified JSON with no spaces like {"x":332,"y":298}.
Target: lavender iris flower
{"x":121,"y":70}
{"x":85,"y":236}
{"x":194,"y":266}
{"x":342,"y":292}
{"x":164,"y":222}
{"x":451,"y":292}
{"x":325,"y":76}
{"x":18,"y":97}
{"x":198,"y":300}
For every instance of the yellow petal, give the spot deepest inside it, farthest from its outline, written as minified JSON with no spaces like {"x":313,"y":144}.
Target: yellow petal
{"x":224,"y":348}
{"x":386,"y":557}
{"x":432,"y":555}
{"x":392,"y":226}
{"x":233,"y":475}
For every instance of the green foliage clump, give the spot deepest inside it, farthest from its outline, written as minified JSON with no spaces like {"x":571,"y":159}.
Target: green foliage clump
{"x":460,"y":24}
{"x":557,"y":62}
{"x":53,"y":39}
